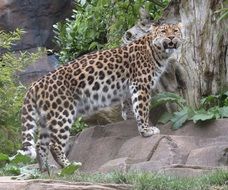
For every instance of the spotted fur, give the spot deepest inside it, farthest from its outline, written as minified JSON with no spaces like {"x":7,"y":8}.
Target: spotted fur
{"x":93,"y":81}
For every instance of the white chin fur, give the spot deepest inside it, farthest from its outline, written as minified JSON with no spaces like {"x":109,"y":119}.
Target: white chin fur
{"x":169,"y":51}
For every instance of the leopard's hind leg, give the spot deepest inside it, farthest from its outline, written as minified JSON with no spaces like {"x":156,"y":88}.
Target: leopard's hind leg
{"x":42,"y":149}
{"x":126,"y":109}
{"x":42,"y":144}
{"x":59,"y":134}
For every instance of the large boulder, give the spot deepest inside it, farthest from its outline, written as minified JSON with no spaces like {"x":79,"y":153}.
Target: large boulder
{"x":35,"y":17}
{"x":100,"y":144}
{"x":188,"y":151}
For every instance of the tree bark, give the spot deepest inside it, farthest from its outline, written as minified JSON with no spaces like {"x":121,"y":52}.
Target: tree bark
{"x":203,"y":57}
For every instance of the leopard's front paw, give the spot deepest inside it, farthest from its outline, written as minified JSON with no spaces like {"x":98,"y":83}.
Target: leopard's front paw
{"x":77,"y":164}
{"x":124,"y":115}
{"x":147,"y":132}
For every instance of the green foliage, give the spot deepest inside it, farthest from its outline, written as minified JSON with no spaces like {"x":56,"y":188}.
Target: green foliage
{"x":11,"y":91}
{"x":8,"y":39}
{"x":211,"y":107}
{"x":165,"y":118}
{"x":10,"y":169}
{"x":180,"y":117}
{"x":13,"y":165}
{"x":223,"y":14}
{"x":167,"y":97}
{"x":19,"y":158}
{"x":4,"y":157}
{"x":16,"y":166}
{"x":97,"y":24}
{"x":78,"y":126}
{"x":70,"y":170}
{"x":152,"y":181}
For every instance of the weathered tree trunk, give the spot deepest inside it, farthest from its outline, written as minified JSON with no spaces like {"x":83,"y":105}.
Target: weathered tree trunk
{"x":204,"y":55}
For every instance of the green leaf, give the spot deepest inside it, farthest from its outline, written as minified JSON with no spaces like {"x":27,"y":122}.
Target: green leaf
{"x":202,"y":116}
{"x":83,"y":2}
{"x":221,"y":10}
{"x":166,"y":97}
{"x":223,"y":16}
{"x":224,"y":111}
{"x":12,"y":169}
{"x":19,"y":158}
{"x":216,"y":111}
{"x":226,"y":102}
{"x":206,"y":100}
{"x":69,"y":170}
{"x":181,"y":117}
{"x":93,"y":45}
{"x":166,"y":116}
{"x":78,"y":126}
{"x":4,"y":157}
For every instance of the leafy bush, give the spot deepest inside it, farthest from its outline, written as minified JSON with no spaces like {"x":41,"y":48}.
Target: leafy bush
{"x":211,"y":107}
{"x":96,"y":24}
{"x":11,"y":91}
{"x":17,"y":166}
{"x":12,"y":165}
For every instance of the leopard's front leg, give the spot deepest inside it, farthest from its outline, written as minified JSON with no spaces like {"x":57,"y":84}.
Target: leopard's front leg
{"x":141,"y":97}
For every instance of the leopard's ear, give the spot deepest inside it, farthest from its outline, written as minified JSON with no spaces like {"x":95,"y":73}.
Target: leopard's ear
{"x":180,"y":25}
{"x":151,"y":28}
{"x":154,"y":25}
{"x":157,"y":23}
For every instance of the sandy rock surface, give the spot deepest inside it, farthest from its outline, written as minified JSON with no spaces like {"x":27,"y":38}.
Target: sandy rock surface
{"x":6,"y":183}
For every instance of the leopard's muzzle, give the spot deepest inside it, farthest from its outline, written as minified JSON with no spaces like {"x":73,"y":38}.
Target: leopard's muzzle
{"x":171,"y":44}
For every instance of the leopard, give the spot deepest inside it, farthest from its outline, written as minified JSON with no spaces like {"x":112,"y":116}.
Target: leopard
{"x":92,"y":82}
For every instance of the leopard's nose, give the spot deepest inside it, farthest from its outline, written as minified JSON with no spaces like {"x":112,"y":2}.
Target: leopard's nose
{"x":171,"y":37}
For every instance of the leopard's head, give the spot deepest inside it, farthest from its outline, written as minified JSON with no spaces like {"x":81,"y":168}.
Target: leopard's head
{"x":167,"y":37}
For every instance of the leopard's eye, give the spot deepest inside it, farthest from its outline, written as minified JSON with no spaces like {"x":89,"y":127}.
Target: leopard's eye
{"x":163,"y":31}
{"x":175,"y":30}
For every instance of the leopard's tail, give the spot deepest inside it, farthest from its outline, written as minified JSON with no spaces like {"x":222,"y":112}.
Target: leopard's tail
{"x":29,"y":116}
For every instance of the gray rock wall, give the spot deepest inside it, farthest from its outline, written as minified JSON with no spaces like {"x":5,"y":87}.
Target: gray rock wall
{"x":36,"y":17}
